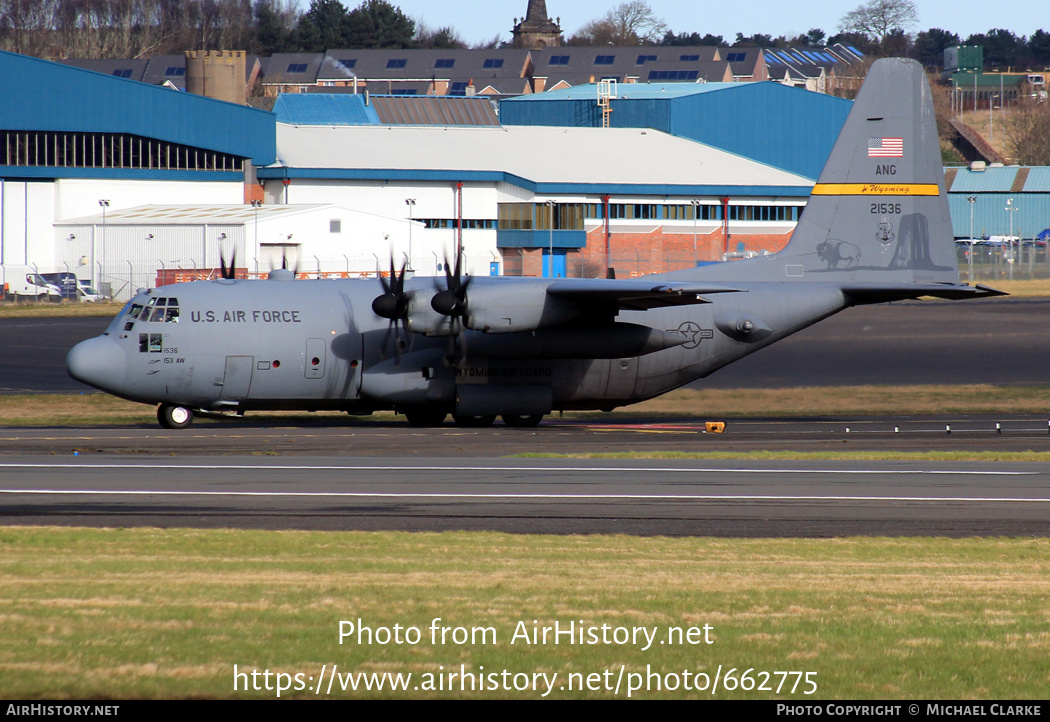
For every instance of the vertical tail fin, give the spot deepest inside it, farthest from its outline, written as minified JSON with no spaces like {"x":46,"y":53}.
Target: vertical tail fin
{"x":879,"y":212}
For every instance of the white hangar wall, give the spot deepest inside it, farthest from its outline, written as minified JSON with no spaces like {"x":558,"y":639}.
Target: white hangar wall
{"x":186,"y":242}
{"x":435,"y":212}
{"x":31,"y":210}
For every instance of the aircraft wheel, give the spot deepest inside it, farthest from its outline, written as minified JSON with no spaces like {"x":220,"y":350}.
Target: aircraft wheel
{"x":426,"y":416}
{"x":172,"y":416}
{"x":522,"y":422}
{"x":474,"y":422}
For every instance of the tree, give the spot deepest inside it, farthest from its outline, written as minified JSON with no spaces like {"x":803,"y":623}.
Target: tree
{"x":1001,"y":47}
{"x":1028,"y":129}
{"x":321,"y":27}
{"x":878,"y":18}
{"x":758,"y":39}
{"x":692,"y":39}
{"x":1039,"y":48}
{"x":813,"y":39}
{"x":378,"y":24}
{"x":629,"y":23}
{"x":441,"y":39}
{"x":929,"y":46}
{"x":274,"y":26}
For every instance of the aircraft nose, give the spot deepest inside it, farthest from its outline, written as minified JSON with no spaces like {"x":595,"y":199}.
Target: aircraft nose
{"x":98,"y":362}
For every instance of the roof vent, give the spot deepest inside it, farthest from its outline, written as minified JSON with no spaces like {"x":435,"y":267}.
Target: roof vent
{"x":978,"y":166}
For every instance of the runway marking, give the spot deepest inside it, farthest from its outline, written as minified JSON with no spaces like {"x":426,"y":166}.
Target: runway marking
{"x":542,"y":469}
{"x":557,"y":497}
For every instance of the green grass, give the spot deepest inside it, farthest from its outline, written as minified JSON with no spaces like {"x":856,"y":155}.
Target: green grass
{"x":119,"y":613}
{"x":841,"y":455}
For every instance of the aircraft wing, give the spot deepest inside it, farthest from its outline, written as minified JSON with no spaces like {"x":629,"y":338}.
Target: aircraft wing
{"x":634,"y":294}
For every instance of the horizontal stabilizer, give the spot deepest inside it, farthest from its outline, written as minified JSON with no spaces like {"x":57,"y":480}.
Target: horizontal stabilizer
{"x":861,"y":293}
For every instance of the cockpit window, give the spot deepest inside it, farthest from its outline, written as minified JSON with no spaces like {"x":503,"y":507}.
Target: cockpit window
{"x":136,"y":309}
{"x":166,"y":310}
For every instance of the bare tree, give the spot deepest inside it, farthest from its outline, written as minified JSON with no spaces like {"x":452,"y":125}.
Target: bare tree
{"x":629,"y":23}
{"x":1028,"y":129}
{"x":877,"y":19}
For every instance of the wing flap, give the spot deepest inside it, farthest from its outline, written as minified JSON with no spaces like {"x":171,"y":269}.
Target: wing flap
{"x":634,"y":294}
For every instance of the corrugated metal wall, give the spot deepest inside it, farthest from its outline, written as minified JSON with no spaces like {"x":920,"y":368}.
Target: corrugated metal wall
{"x":1026,"y":189}
{"x":41,"y":95}
{"x":788,"y":128}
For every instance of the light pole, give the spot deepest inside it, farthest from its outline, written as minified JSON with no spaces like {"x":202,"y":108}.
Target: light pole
{"x":696,"y":207}
{"x":550,"y":226}
{"x":104,"y":203}
{"x":1011,"y":209}
{"x":970,"y":200}
{"x":256,"y":205}
{"x":411,"y":203}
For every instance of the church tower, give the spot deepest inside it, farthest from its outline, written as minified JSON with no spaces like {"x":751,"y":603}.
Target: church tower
{"x":537,"y":30}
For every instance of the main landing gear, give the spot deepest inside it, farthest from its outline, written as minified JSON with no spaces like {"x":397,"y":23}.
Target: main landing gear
{"x":172,"y":416}
{"x":522,"y":422}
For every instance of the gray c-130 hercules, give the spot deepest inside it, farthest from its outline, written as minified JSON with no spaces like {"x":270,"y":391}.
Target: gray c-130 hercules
{"x":876,"y":229}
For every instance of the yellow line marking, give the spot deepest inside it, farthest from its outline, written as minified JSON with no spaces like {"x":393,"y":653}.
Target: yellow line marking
{"x":875,"y":189}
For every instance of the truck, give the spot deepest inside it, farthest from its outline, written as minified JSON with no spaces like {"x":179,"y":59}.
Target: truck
{"x":31,"y":286}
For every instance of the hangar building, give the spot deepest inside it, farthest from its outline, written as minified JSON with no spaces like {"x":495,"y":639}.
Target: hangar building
{"x":74,"y":142}
{"x":789,"y":128}
{"x":540,"y":201}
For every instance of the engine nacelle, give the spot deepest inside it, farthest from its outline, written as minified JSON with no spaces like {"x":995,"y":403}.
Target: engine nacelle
{"x":494,"y":308}
{"x":422,"y":318}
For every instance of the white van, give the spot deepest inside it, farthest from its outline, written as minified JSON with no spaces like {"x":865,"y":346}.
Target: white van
{"x":31,"y":287}
{"x":88,"y":294}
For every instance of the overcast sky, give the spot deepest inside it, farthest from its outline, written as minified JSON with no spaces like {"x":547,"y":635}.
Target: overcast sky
{"x":479,"y":21}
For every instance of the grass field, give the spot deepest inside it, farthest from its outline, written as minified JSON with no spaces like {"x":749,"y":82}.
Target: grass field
{"x":131,"y":613}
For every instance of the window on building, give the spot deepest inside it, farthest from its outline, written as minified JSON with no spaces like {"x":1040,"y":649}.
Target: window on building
{"x":296,"y":68}
{"x":643,"y":59}
{"x":493,"y":63}
{"x":604,"y":59}
{"x":347,"y":63}
{"x":559,"y":60}
{"x":736,"y":57}
{"x":444,"y":62}
{"x":122,"y":72}
{"x":689,"y":58}
{"x":335,"y":225}
{"x":396,"y":62}
{"x":175,"y":72}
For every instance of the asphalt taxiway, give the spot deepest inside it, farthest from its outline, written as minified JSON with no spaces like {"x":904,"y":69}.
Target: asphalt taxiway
{"x":720,"y":498}
{"x":360,"y":475}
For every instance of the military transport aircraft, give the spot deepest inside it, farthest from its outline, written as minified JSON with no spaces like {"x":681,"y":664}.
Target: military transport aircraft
{"x":876,"y":229}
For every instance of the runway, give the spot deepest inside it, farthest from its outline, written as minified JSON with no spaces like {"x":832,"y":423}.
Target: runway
{"x":727,"y":498}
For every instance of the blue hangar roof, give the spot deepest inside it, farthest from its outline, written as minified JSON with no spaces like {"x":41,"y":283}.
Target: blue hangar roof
{"x":789,"y":128}
{"x":43,"y":96}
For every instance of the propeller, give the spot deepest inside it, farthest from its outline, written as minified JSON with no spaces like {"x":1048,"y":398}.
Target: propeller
{"x":228,"y":272}
{"x":393,"y":304}
{"x":282,"y":273}
{"x":452,"y":302}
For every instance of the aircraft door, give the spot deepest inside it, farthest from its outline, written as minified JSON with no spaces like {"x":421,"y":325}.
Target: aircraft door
{"x":315,"y":358}
{"x":238,"y":378}
{"x":623,"y":373}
